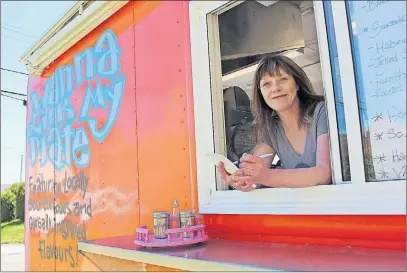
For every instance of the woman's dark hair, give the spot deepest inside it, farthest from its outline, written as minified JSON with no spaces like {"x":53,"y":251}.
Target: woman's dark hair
{"x":265,"y":117}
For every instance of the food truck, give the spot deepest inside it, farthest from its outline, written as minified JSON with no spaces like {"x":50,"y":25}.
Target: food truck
{"x":127,"y":98}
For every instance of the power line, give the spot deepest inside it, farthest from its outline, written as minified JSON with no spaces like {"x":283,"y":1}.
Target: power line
{"x":9,"y":147}
{"x":14,"y":93}
{"x":21,"y":40}
{"x":14,"y":71}
{"x":17,"y":27}
{"x":24,"y":101}
{"x":16,"y":31}
{"x":12,"y":97}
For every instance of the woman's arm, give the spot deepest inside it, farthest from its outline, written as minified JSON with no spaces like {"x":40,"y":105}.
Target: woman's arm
{"x":232,"y":179}
{"x":255,"y":171}
{"x":262,"y":149}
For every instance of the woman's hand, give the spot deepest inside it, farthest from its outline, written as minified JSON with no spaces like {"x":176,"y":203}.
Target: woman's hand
{"x":254,"y":169}
{"x":233,"y":179}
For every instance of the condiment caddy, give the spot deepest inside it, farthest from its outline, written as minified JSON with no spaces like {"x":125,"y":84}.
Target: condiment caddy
{"x":179,"y":229}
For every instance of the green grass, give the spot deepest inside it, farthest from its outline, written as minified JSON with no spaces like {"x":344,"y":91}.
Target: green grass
{"x":12,"y":232}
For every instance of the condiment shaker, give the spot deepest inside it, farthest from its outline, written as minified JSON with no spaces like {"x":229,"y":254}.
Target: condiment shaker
{"x":187,"y":219}
{"x":161,"y":224}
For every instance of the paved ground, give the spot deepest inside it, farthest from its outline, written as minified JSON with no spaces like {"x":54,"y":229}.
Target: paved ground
{"x":12,"y":257}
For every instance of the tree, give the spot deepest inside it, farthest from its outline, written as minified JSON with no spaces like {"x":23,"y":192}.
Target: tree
{"x":13,"y":198}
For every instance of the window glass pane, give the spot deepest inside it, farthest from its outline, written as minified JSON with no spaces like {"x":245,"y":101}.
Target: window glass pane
{"x":378,"y":40}
{"x":336,"y":78}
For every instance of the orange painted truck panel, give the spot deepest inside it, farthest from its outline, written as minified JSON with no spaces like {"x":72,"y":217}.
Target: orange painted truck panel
{"x":33,"y":207}
{"x":163,"y":128}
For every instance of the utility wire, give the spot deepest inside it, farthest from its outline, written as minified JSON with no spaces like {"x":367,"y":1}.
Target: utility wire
{"x":14,"y":93}
{"x":16,"y":27}
{"x":24,"y":101}
{"x":13,"y":97}
{"x":16,"y":31}
{"x":8,"y":147}
{"x":14,"y":71}
{"x":17,"y":39}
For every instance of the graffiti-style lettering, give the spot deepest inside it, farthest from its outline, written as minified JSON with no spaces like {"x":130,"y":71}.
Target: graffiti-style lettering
{"x":76,"y":182}
{"x":51,"y":252}
{"x":88,"y":64}
{"x":63,"y":81}
{"x":51,"y":134}
{"x":108,"y":52}
{"x":80,"y":145}
{"x":82,"y":209}
{"x":96,"y":100}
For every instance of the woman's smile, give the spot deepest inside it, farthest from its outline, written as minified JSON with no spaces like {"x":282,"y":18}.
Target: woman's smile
{"x":279,"y":96}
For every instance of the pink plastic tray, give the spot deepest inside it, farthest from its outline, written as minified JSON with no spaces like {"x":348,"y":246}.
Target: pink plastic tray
{"x":144,"y":238}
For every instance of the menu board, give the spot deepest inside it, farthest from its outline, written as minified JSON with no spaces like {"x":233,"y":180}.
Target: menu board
{"x":379,"y":49}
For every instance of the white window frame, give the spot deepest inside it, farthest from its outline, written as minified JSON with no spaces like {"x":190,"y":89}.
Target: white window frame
{"x":356,"y":197}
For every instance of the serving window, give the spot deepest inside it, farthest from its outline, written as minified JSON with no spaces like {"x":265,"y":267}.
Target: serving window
{"x":315,"y":35}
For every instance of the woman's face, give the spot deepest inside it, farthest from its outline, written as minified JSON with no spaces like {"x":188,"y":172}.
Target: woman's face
{"x":279,"y":92}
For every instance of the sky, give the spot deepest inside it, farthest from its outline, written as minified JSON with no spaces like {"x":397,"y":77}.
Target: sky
{"x":20,"y":29}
